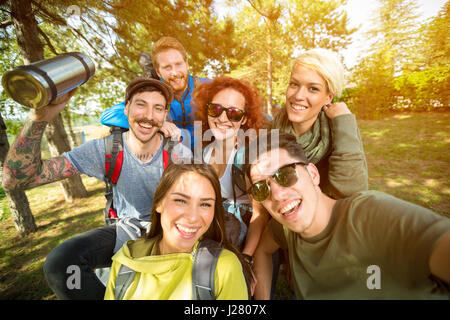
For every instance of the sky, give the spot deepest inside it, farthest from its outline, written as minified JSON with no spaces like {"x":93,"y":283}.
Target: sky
{"x":358,"y":12}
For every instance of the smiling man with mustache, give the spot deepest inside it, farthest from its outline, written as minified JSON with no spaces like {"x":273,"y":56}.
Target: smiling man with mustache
{"x":147,"y":104}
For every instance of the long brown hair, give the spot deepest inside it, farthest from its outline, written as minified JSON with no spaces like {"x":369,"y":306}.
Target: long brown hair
{"x":216,"y":230}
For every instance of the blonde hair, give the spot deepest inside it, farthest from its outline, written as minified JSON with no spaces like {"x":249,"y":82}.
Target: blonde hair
{"x":166,"y":43}
{"x":327,"y":65}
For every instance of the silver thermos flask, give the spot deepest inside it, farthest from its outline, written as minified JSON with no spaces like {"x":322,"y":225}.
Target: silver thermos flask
{"x":39,"y":83}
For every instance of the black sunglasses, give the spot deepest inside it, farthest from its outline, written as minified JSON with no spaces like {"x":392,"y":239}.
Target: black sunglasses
{"x":285,"y":176}
{"x":215,"y":110}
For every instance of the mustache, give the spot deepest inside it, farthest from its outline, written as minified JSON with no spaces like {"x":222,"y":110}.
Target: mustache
{"x":150,"y":122}
{"x":183,"y":77}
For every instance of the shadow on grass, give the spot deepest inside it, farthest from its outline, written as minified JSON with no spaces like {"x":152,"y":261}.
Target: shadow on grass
{"x":24,"y":277}
{"x":61,"y":205}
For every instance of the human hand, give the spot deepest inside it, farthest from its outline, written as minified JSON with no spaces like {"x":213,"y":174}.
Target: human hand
{"x":336,"y":109}
{"x":169,"y":129}
{"x":50,"y":111}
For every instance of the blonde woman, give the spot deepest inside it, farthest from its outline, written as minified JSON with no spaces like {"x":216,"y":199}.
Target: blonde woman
{"x":328,"y":133}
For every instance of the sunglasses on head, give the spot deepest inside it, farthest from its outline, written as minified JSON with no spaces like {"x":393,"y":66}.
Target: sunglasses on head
{"x":215,"y":110}
{"x":285,"y":176}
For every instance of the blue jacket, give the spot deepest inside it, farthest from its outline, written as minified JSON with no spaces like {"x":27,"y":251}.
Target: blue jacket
{"x":181,"y":112}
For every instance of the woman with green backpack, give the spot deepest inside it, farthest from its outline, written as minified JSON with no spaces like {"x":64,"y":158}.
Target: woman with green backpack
{"x":187,"y":235}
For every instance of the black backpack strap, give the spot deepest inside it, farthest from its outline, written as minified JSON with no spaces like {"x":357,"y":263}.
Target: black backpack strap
{"x":124,"y":279}
{"x":203,"y":270}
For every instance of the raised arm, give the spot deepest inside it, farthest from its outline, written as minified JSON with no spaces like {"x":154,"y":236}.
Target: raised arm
{"x":348,"y":171}
{"x":23,"y":167}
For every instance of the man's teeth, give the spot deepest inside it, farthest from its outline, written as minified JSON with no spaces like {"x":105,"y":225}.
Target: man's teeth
{"x":186,"y":229}
{"x":290,"y":206}
{"x":298,"y":107}
{"x":146,"y":125}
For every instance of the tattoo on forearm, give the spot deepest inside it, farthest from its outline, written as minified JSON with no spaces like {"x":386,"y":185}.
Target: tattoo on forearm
{"x":57,"y":168}
{"x":23,"y":164}
{"x":25,"y":155}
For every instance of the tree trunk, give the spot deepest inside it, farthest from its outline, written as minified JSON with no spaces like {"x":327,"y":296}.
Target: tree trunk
{"x":18,"y":202}
{"x":58,"y":143}
{"x":68,"y":118}
{"x":21,"y":213}
{"x":31,"y":49}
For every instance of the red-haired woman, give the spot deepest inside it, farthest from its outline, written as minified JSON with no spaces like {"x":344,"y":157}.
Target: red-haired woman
{"x":229,"y":108}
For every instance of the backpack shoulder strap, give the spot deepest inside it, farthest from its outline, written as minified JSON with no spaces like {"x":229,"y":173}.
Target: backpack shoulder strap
{"x":237,"y":170}
{"x":205,"y":261}
{"x":113,"y":167}
{"x":124,"y":279}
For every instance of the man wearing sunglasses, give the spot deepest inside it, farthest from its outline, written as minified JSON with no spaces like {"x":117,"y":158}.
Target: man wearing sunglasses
{"x":367,"y":246}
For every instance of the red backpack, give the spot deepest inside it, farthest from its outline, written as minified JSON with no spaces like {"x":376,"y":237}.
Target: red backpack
{"x":113,"y":167}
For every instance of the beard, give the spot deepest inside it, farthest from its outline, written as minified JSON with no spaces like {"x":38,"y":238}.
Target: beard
{"x":178,"y":83}
{"x":142,"y":137}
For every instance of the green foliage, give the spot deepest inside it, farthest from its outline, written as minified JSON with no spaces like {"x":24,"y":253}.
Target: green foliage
{"x":13,"y":127}
{"x":2,"y":193}
{"x":271,"y":33}
{"x":407,"y":61}
{"x":408,"y":67}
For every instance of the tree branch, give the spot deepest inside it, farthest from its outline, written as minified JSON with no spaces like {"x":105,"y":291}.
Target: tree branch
{"x":47,"y":41}
{"x":98,"y":52}
{"x":4,"y":24}
{"x":58,"y":20}
{"x":252,"y":3}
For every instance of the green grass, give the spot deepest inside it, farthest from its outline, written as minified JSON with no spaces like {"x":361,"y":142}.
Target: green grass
{"x":407,"y":157}
{"x":22,"y":258}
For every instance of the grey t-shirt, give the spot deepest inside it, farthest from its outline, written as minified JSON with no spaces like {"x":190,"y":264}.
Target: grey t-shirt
{"x":133,"y":193}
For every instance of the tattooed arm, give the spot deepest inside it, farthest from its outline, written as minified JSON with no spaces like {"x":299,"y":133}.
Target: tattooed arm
{"x":23,"y":167}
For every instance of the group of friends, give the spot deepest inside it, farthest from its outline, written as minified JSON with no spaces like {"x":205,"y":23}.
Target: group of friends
{"x":304,"y":193}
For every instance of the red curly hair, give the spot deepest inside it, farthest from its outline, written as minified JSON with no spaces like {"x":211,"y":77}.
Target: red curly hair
{"x":205,"y":92}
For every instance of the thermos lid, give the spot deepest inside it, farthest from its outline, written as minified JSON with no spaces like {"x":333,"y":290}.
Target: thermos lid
{"x":41,"y":82}
{"x":25,"y":89}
